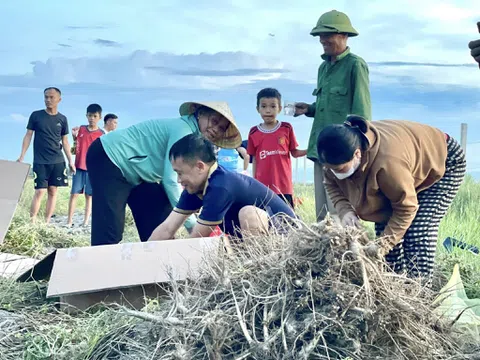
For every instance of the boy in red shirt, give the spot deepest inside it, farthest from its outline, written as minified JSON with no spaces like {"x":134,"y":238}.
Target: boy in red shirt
{"x":83,"y":137}
{"x":270,"y":144}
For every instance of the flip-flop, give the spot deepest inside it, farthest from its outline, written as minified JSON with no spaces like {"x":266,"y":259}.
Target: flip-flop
{"x":449,"y":243}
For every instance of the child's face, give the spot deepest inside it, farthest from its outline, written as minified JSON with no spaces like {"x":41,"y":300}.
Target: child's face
{"x":268,"y":109}
{"x":93,"y":118}
{"x":111,"y":124}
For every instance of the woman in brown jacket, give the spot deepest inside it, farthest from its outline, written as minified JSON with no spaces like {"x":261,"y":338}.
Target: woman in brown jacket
{"x":400,"y":175}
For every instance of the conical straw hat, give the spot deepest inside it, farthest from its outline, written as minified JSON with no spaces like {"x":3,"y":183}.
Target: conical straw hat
{"x":232,"y":138}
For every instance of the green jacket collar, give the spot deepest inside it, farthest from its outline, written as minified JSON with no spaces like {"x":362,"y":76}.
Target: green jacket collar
{"x":339,"y":57}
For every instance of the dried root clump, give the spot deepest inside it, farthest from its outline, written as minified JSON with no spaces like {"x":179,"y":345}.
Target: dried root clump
{"x":310,"y":295}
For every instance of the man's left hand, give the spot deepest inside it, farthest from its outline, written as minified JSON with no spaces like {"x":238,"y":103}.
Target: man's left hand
{"x":475,"y":47}
{"x":72,"y":167}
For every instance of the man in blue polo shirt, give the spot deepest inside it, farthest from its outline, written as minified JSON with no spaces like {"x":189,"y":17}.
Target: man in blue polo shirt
{"x":230,"y":200}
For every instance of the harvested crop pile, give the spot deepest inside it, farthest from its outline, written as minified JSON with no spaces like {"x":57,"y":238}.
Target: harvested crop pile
{"x":311,"y":295}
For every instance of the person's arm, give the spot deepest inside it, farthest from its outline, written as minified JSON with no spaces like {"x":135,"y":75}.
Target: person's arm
{"x":252,"y":151}
{"x":168,"y":229}
{"x":169,"y":178}
{"x":302,"y":108}
{"x":200,"y":230}
{"x":187,"y":205}
{"x":66,"y":145}
{"x":68,"y":153}
{"x":27,"y":139}
{"x":246,"y":158}
{"x":298,"y":153}
{"x":397,"y":184}
{"x":75,"y":132}
{"x":311,"y":110}
{"x":361,"y":103}
{"x":339,"y":200}
{"x":293,"y":145}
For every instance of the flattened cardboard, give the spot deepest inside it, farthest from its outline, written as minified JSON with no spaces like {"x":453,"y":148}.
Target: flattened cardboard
{"x":132,"y":297}
{"x":14,"y":175}
{"x":124,"y":273}
{"x":12,"y":265}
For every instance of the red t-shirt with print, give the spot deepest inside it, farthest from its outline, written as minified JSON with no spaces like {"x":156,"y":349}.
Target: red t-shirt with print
{"x":271,"y":149}
{"x":85,"y":138}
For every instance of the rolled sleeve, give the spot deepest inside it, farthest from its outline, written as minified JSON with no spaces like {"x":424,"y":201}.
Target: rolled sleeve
{"x":311,"y":110}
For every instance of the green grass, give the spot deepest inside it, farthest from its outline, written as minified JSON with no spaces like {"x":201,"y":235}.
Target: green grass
{"x":40,"y":331}
{"x":462,"y":222}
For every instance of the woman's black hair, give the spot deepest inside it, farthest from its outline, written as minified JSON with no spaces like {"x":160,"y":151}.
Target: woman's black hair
{"x":336,"y":144}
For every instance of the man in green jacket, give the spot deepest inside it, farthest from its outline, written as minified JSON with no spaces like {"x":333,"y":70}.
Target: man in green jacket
{"x":342,"y":89}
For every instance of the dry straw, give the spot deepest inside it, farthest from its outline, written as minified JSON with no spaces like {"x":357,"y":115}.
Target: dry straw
{"x":312,"y":294}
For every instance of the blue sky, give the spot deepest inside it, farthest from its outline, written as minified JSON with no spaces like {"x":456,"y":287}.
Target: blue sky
{"x":142,"y":59}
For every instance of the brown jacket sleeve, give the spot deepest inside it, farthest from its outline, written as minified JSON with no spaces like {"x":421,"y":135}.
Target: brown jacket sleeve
{"x":397,"y":184}
{"x":339,"y":200}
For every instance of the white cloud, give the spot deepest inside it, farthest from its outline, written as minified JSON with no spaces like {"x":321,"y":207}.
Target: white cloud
{"x":143,"y":69}
{"x":18,"y":118}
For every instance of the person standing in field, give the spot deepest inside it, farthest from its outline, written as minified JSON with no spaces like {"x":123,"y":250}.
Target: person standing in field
{"x":83,"y":137}
{"x":342,"y":89}
{"x":271,"y":143}
{"x":51,"y":136}
{"x":110,"y":123}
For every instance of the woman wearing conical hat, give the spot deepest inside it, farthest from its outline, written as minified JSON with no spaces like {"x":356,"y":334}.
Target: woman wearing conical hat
{"x":131,"y":166}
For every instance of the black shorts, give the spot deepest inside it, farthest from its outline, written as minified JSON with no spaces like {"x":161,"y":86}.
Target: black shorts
{"x":45,"y":175}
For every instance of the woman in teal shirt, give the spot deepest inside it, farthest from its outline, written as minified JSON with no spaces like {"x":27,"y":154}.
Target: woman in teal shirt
{"x":131,"y":166}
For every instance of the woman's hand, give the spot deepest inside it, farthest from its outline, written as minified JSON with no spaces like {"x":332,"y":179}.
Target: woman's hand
{"x":351,"y":219}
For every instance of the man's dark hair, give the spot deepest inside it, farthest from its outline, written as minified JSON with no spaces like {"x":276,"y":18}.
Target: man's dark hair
{"x":109,"y":117}
{"x":269,"y":93}
{"x":94,"y":108}
{"x":191,"y":148}
{"x":53,"y":88}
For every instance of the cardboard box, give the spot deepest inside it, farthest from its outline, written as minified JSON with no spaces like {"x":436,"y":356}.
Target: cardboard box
{"x":11,"y":265}
{"x":123,"y":273}
{"x":14,"y":175}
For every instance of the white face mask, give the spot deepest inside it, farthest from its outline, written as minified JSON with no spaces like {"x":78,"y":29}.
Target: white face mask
{"x":348,"y":173}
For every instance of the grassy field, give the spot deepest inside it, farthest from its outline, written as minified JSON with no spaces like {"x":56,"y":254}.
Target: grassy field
{"x":462,"y":222}
{"x":40,"y":331}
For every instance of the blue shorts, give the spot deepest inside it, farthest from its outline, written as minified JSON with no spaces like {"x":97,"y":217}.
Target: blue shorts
{"x":81,"y":183}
